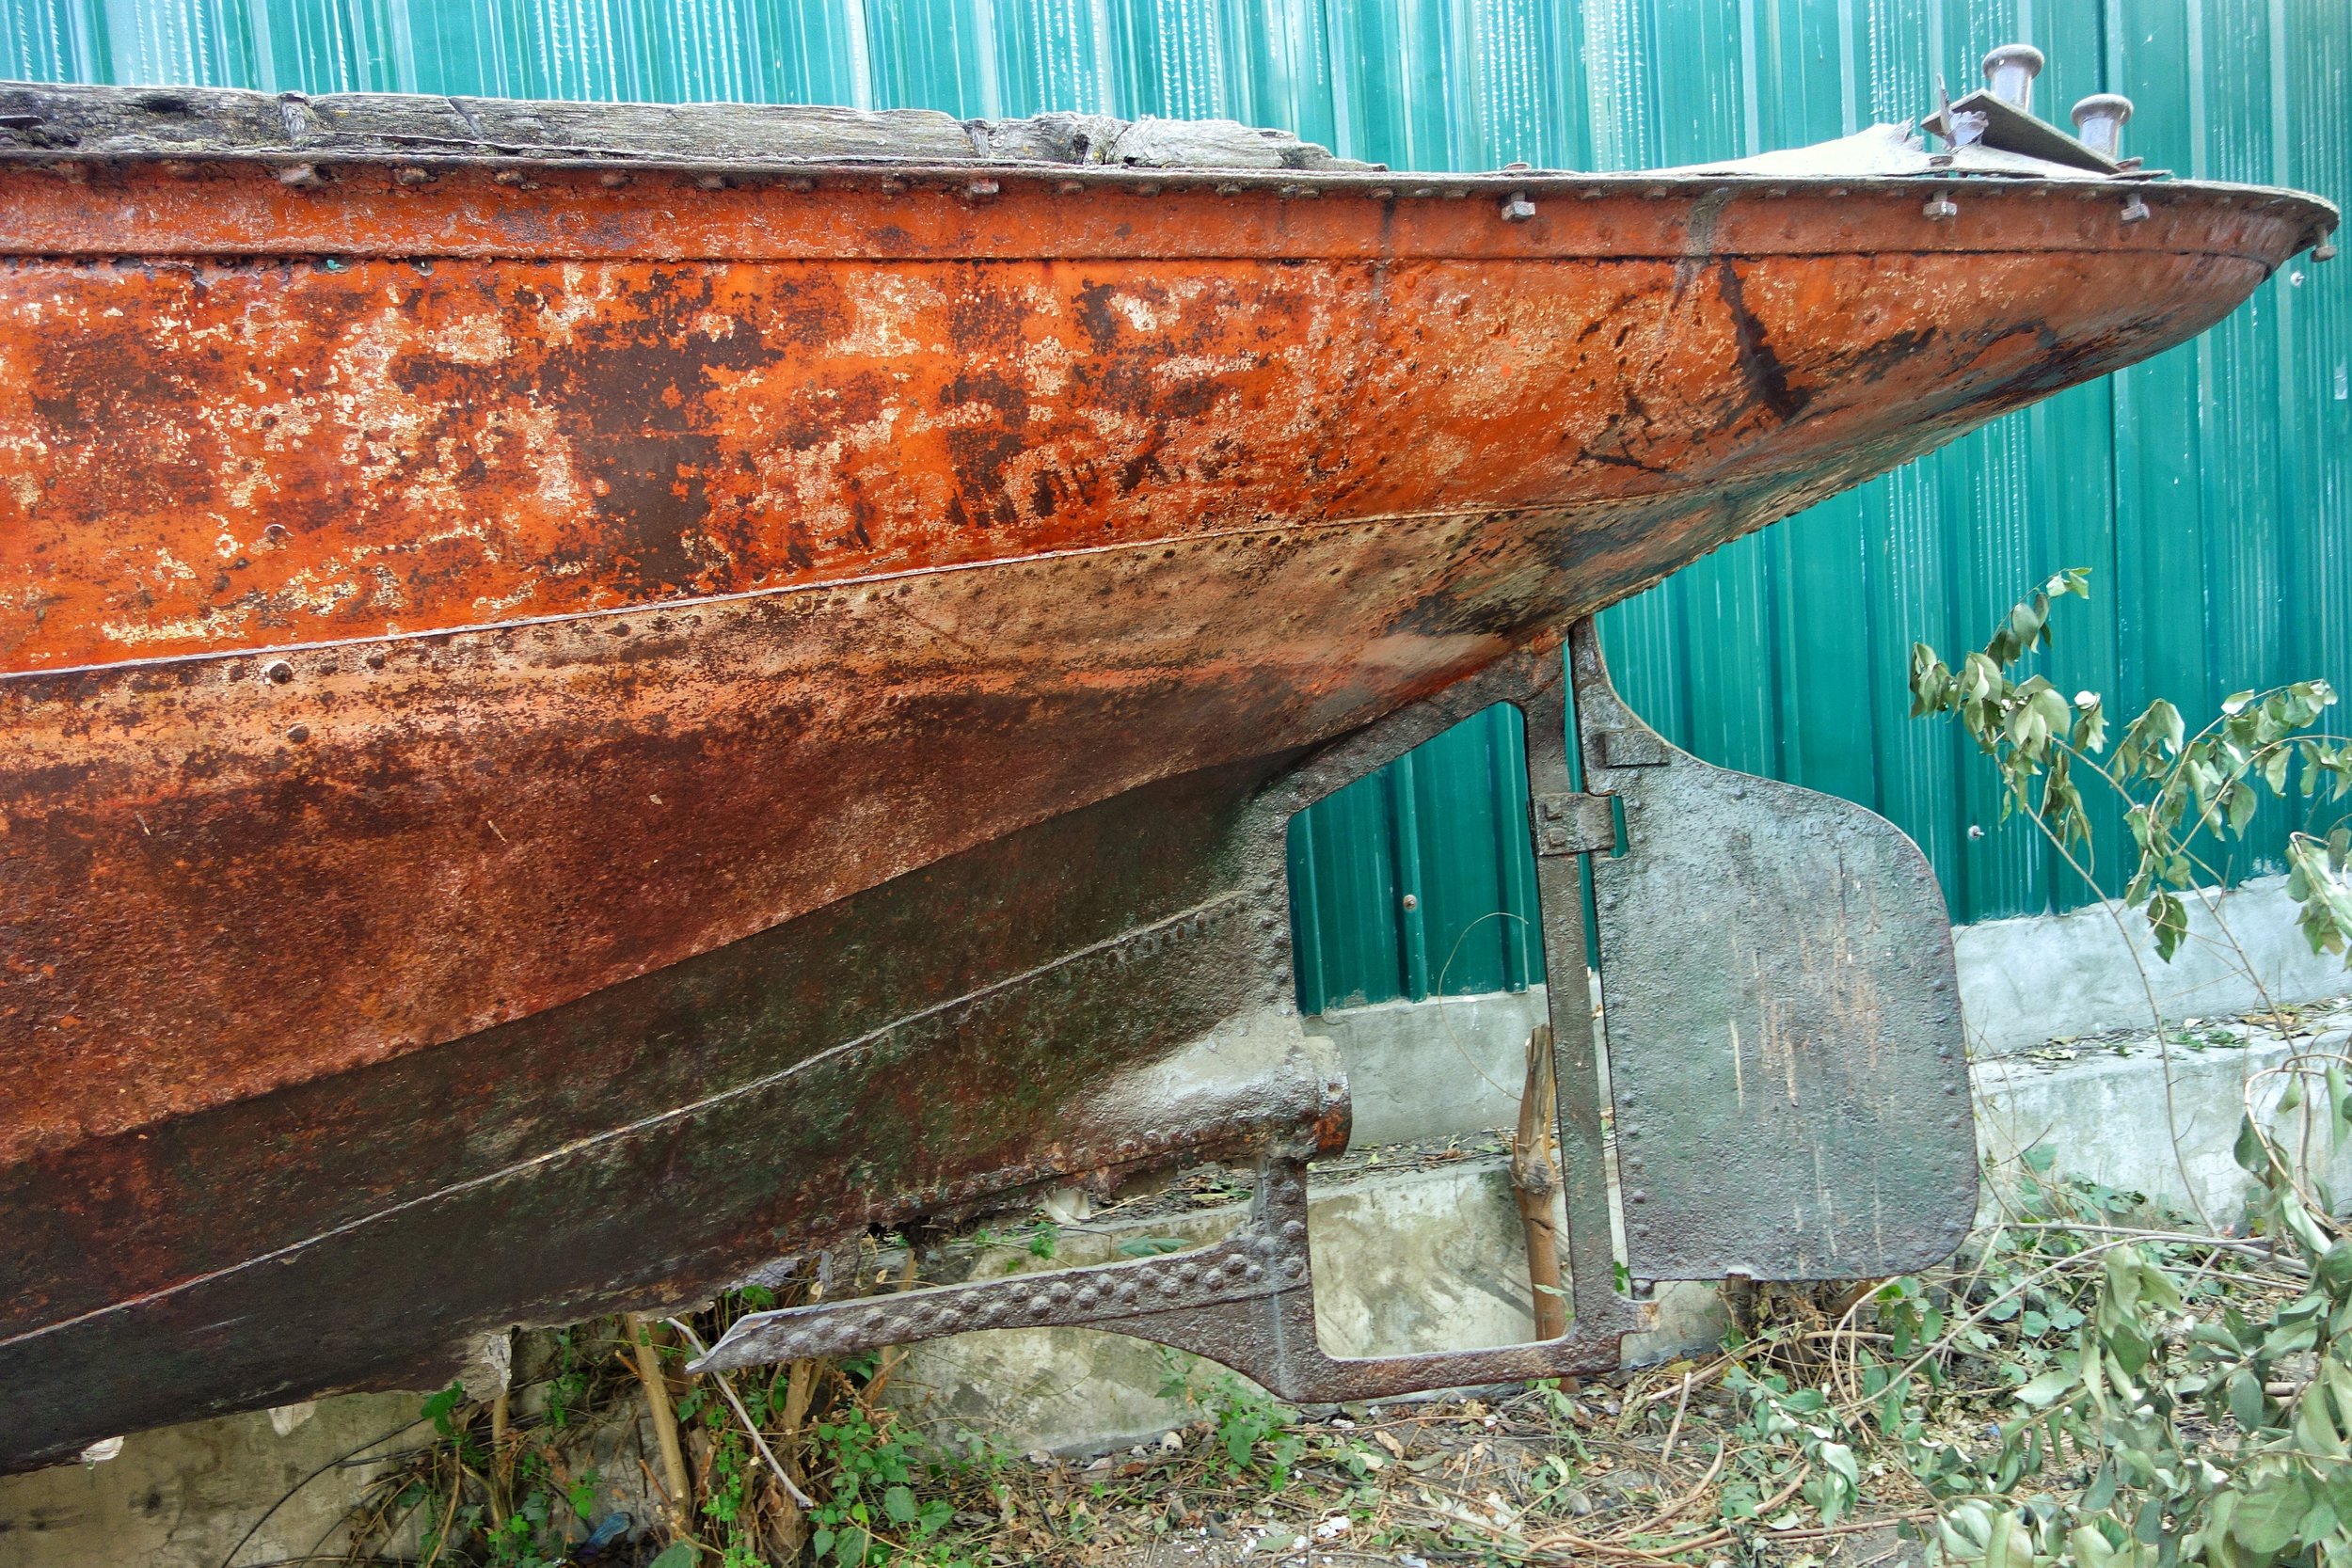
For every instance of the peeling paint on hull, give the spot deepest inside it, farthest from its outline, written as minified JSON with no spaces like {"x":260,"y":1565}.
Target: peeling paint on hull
{"x":212,"y":441}
{"x":447,"y":626}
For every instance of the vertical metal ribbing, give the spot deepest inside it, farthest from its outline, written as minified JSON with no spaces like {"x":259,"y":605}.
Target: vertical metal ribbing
{"x":1307,"y":968}
{"x":1412,"y":931}
{"x":1519,"y":911}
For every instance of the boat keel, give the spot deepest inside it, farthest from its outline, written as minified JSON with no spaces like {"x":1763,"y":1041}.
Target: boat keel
{"x":1749,"y":931}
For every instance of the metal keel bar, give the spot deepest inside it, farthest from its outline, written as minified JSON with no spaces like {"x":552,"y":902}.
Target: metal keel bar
{"x":1583,"y":1153}
{"x":1246,"y":1301}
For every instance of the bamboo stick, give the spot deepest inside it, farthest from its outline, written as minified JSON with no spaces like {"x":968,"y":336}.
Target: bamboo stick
{"x":649,"y":1373}
{"x":1535,"y":1178}
{"x":498,"y":1468}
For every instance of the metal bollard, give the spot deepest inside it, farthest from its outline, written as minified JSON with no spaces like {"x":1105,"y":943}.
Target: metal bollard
{"x":2010,"y":71}
{"x":2099,"y":122}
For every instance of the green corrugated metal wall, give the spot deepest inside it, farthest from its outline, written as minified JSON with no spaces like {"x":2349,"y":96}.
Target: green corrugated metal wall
{"x":2210,"y":489}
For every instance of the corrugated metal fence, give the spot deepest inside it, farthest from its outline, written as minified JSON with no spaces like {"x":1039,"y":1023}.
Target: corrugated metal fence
{"x":2211,"y":490}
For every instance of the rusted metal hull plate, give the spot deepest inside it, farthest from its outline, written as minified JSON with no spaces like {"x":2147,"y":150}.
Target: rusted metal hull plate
{"x":197,"y":456}
{"x":235,"y":872}
{"x":1783,"y":1020}
{"x":999,"y":1020}
{"x":1004,"y":1018}
{"x":226,"y":882}
{"x":548,"y":727}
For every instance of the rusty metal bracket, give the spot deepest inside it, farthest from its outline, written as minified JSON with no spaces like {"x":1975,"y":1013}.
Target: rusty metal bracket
{"x":1572,"y":824}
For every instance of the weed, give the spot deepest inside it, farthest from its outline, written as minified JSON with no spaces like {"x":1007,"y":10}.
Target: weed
{"x":516,"y":1506}
{"x":1253,"y":1431}
{"x":873,"y":1469}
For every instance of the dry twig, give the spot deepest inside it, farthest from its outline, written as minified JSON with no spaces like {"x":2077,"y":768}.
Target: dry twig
{"x":676,"y":1479}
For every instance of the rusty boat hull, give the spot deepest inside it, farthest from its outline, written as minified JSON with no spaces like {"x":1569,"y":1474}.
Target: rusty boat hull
{"x":572,"y":724}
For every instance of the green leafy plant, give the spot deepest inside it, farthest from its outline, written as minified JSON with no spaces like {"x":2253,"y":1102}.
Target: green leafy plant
{"x":2199,"y":1434}
{"x":872,"y":1515}
{"x":442,"y":1408}
{"x":2171,"y":1398}
{"x":859,"y":1489}
{"x":1253,"y":1431}
{"x":2217,"y":1438}
{"x":525,"y":1521}
{"x":2181,"y":793}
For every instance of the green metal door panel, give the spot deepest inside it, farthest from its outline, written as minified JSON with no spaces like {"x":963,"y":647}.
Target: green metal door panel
{"x":2072,"y":444}
{"x":2201,"y":566}
{"x":1342,"y":863}
{"x":1988,"y":479}
{"x":1823,"y":655}
{"x":1477,"y":937}
{"x":2210,"y":489}
{"x":936,"y":55}
{"x":1419,"y":880}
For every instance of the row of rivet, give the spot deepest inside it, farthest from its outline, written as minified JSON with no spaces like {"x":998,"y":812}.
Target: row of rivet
{"x":1940,"y":207}
{"x":1237,"y":1269}
{"x":1516,"y":207}
{"x":423,"y":650}
{"x":310,"y":176}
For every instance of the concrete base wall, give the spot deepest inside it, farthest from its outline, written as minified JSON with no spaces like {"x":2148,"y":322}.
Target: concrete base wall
{"x":2105,"y":1114}
{"x":1429,"y":1069}
{"x":184,"y":1496}
{"x":2025,"y":981}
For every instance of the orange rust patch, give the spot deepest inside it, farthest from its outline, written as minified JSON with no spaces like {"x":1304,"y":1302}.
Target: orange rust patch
{"x":199,"y":456}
